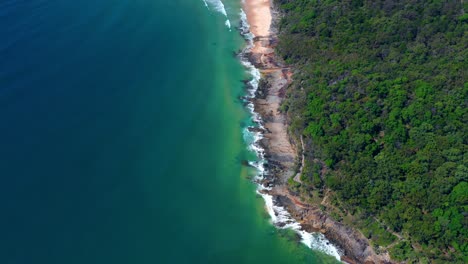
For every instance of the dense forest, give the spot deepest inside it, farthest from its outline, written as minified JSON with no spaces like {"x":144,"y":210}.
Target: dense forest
{"x":380,"y":97}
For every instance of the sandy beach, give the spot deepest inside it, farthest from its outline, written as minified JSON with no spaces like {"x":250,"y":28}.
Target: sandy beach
{"x":259,"y":16}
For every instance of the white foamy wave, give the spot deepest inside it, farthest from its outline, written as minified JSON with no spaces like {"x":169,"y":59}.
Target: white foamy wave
{"x":319,"y":242}
{"x":218,"y":6}
{"x":245,"y":28}
{"x":280,"y":217}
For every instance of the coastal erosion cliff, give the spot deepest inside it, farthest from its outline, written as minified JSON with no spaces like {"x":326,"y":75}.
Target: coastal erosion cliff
{"x":280,"y":150}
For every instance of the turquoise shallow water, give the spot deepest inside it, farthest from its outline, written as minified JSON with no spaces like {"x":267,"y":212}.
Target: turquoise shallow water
{"x":121,"y":137}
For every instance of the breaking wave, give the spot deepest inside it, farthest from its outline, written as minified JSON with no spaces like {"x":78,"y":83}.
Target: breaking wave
{"x":218,"y":6}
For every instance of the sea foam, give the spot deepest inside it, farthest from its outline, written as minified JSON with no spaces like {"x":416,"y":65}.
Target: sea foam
{"x":218,"y":6}
{"x":280,"y":217}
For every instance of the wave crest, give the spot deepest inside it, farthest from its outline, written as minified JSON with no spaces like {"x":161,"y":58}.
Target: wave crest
{"x":218,"y":6}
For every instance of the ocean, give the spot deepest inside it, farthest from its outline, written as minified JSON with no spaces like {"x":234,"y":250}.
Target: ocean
{"x":123,"y":137}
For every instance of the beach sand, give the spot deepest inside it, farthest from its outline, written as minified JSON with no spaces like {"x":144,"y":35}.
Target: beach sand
{"x":259,"y":16}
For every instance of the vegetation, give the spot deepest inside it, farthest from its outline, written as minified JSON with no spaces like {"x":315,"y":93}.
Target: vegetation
{"x":380,"y":96}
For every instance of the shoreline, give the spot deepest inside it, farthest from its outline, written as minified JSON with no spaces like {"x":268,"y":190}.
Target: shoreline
{"x":281,"y":151}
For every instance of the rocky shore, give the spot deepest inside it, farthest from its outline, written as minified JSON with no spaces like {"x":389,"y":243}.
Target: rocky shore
{"x":281,"y":151}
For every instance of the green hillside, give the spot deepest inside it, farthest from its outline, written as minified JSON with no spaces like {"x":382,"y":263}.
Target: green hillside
{"x":380,"y":97}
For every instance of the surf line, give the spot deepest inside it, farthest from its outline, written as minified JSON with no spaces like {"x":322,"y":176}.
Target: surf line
{"x":218,"y":6}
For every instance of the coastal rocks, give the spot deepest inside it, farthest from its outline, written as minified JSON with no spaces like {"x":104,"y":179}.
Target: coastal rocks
{"x":262,"y":90}
{"x":246,"y":163}
{"x":355,"y":246}
{"x":257,"y":129}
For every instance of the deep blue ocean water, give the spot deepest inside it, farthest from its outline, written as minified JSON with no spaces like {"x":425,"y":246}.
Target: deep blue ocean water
{"x":121,"y":137}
